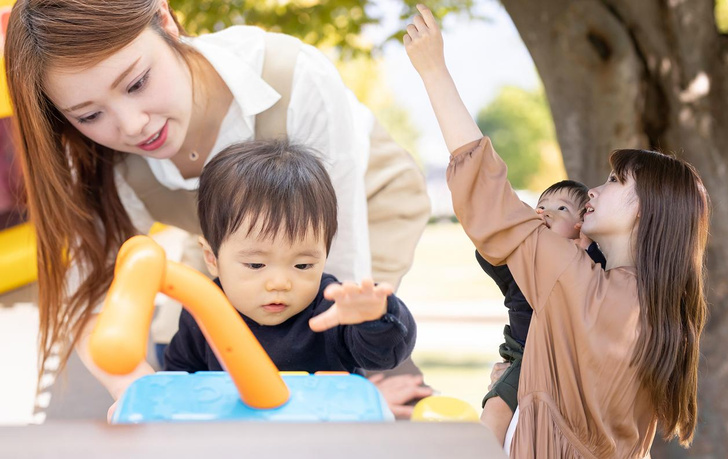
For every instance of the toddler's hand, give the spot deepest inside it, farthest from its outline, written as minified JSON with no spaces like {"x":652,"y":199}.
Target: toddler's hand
{"x":353,"y":304}
{"x":583,"y":242}
{"x":423,"y":42}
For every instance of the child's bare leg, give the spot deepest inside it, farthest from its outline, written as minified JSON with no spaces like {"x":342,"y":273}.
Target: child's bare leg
{"x":497,"y":417}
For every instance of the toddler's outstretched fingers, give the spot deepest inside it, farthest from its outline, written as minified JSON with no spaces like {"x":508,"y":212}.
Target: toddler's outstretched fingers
{"x":367,"y":286}
{"x":350,"y":288}
{"x":332,"y":290}
{"x":325,"y":320}
{"x":385,"y":288}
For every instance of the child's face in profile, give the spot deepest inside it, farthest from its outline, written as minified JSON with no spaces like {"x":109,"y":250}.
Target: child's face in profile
{"x":268,"y":279}
{"x":560,"y":213}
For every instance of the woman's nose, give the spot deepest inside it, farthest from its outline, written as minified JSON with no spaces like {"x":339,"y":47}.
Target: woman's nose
{"x":132,"y":123}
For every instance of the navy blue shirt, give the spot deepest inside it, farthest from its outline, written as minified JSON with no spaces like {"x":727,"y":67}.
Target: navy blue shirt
{"x":292,"y":345}
{"x":519,"y":311}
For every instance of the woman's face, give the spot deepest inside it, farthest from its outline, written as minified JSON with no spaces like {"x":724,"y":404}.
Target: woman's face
{"x":612,"y":210}
{"x":138,"y":100}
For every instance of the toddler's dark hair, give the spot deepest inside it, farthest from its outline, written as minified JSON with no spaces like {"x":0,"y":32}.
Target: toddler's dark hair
{"x":577,"y":191}
{"x":282,"y":183}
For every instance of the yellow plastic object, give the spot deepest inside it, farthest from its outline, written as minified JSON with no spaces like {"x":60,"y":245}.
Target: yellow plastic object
{"x":439,"y":408}
{"x":118,"y":342}
{"x":18,"y":265}
{"x":157,"y":228}
{"x":5,"y":108}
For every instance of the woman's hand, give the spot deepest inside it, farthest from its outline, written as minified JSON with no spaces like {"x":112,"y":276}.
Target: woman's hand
{"x":400,"y":391}
{"x":497,"y":371}
{"x":423,"y":42}
{"x":110,"y":412}
{"x":353,"y":304}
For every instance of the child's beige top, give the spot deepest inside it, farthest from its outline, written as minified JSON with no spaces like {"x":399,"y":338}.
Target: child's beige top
{"x":578,"y":396}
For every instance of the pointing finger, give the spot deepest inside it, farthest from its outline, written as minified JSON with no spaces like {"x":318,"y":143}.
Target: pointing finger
{"x":427,"y":16}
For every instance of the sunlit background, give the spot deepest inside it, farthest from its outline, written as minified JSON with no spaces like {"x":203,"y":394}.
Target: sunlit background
{"x":458,"y":308}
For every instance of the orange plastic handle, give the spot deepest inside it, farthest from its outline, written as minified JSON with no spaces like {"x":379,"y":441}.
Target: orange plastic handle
{"x":118,"y":343}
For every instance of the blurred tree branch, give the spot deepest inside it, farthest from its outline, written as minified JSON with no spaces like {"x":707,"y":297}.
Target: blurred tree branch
{"x":330,"y":23}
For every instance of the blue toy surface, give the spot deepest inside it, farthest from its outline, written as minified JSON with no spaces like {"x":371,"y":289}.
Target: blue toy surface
{"x":212,"y":396}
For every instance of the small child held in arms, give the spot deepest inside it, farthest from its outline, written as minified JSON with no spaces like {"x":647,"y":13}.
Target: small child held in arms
{"x":561,"y":207}
{"x":268,"y":215}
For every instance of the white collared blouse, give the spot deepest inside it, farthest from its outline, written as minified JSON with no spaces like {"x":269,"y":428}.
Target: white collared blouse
{"x":323,"y":114}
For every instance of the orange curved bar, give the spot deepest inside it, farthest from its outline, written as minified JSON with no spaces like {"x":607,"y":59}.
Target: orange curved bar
{"x":251,"y":369}
{"x":118,"y":343}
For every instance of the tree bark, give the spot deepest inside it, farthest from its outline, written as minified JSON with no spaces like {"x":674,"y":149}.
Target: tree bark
{"x":646,"y":74}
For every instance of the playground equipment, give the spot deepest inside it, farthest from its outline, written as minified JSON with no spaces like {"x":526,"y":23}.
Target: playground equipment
{"x":18,"y":264}
{"x":251,"y":387}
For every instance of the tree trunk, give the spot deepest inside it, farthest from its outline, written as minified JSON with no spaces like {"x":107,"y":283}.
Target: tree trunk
{"x":646,"y":74}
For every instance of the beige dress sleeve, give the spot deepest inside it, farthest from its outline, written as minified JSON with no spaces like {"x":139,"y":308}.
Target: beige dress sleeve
{"x":579,"y":396}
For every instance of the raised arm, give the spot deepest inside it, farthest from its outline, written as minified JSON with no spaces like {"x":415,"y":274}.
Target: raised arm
{"x":423,"y":42}
{"x":502,"y":228}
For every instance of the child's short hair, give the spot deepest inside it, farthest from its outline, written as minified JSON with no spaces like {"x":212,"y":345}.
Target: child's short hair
{"x":282,"y":183}
{"x":577,"y":191}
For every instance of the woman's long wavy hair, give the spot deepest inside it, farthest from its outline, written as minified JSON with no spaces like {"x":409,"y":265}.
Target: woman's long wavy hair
{"x":669,"y":256}
{"x":71,"y":192}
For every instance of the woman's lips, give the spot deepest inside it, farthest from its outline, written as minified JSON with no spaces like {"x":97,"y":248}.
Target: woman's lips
{"x":155,"y":141}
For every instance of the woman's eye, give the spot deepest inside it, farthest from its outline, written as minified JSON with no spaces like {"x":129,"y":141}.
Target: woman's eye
{"x":304,"y":266}
{"x":139,"y":85}
{"x":254,"y":265}
{"x":89,"y":118}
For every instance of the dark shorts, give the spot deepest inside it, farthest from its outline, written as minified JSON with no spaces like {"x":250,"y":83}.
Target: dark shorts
{"x":507,"y":386}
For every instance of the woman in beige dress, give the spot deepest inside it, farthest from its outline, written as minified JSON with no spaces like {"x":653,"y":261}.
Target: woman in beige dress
{"x":118,"y":111}
{"x":610,"y":353}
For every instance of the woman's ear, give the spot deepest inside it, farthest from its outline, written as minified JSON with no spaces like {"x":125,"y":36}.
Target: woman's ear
{"x":209,"y":256}
{"x":166,"y":20}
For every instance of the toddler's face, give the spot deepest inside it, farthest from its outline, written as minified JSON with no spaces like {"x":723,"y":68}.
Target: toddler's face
{"x":560,"y":213}
{"x":268,"y":279}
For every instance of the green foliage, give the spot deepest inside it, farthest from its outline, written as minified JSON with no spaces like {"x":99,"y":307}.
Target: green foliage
{"x":336,"y":23}
{"x":520,"y":125}
{"x":721,"y":15}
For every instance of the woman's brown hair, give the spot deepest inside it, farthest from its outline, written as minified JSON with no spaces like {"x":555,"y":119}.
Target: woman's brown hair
{"x":71,"y":192}
{"x":669,"y":256}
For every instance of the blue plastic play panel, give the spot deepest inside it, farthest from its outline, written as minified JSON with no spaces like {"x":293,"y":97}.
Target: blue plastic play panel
{"x":212,"y":396}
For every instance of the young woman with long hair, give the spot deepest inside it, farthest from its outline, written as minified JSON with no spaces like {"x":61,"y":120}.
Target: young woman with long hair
{"x":117,"y":112}
{"x":610,"y":353}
